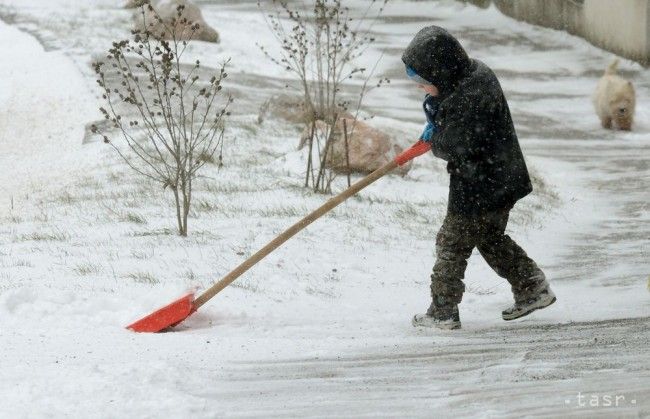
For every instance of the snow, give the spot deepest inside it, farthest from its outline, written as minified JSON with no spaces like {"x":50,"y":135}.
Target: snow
{"x":37,"y":86}
{"x":322,"y":326}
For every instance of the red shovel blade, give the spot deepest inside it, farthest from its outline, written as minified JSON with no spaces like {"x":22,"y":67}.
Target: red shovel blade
{"x":168,"y":316}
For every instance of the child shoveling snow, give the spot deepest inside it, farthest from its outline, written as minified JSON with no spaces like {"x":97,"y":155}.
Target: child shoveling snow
{"x":469,"y":126}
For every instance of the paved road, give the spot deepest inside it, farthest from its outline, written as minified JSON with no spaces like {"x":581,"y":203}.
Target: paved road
{"x":551,"y":370}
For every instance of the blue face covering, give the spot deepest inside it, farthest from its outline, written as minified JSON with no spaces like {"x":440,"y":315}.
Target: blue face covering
{"x":410,"y":72}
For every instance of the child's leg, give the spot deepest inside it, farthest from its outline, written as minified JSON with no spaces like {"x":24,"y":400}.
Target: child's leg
{"x":506,"y":257}
{"x":454,"y":245}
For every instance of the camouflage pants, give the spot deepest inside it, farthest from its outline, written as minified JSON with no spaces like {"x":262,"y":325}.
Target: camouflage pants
{"x":456,"y":240}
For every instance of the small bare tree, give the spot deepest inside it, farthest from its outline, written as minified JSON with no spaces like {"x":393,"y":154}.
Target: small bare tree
{"x":170,"y":117}
{"x":320,"y":45}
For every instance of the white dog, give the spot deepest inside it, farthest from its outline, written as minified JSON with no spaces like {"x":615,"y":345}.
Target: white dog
{"x":614,"y":100}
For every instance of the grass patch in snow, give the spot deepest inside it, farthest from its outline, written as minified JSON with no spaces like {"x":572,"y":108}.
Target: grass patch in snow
{"x":282,"y":211}
{"x":247,"y":284}
{"x":189,"y":275}
{"x":154,"y":233}
{"x":143,"y":277}
{"x":16,"y":263}
{"x":234,"y":187}
{"x":65,"y":198}
{"x":203,"y":206}
{"x":13,"y":219}
{"x":87,"y":268}
{"x":132,"y":217}
{"x":141,"y":254}
{"x":41,"y":236}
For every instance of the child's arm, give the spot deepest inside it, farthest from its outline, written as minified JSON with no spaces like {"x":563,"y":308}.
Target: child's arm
{"x":460,"y":135}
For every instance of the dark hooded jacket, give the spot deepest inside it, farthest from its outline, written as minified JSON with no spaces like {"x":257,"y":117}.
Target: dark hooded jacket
{"x":476,"y":135}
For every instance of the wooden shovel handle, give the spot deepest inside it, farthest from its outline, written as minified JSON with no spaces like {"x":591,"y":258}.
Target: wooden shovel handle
{"x":417,"y":149}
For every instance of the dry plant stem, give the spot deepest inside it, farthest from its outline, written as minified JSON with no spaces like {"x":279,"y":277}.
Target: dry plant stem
{"x":347,"y":149}
{"x":328,"y":145}
{"x":309,"y":157}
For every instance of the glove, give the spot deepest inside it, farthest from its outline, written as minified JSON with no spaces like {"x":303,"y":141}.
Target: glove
{"x":429,"y":130}
{"x":430,"y":107}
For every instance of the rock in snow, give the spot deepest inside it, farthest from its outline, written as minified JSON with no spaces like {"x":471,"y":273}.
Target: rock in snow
{"x":132,"y":4}
{"x":368,"y":147}
{"x":167,"y":11}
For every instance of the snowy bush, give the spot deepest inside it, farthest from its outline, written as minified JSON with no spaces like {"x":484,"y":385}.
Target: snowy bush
{"x":171,"y":119}
{"x":320,"y":45}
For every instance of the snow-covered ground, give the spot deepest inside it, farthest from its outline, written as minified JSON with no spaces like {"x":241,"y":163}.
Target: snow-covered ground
{"x":322,"y":326}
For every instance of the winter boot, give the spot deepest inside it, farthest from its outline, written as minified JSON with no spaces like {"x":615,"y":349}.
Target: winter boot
{"x":441,"y":314}
{"x":540,"y":297}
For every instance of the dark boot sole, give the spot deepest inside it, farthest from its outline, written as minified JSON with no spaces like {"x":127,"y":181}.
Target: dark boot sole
{"x":525,"y":313}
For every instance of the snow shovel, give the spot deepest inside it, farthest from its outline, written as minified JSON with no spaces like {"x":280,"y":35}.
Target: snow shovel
{"x":179,"y":310}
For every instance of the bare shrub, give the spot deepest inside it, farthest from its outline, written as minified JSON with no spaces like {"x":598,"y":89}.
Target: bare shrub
{"x":319,"y":45}
{"x":170,"y":116}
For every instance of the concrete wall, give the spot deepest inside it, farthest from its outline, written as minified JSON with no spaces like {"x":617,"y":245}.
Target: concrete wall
{"x":557,"y":14}
{"x":620,"y":26}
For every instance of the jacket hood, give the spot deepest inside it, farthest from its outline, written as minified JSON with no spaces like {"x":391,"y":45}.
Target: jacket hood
{"x":437,"y":57}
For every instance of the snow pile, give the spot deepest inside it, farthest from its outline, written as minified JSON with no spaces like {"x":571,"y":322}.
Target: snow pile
{"x":44,"y":104}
